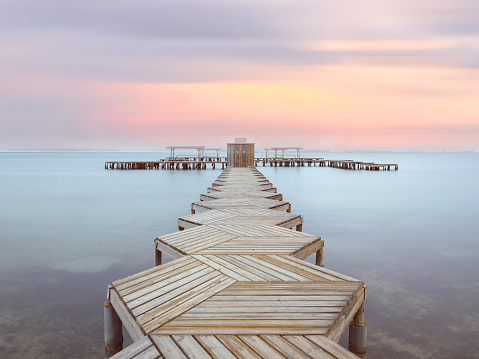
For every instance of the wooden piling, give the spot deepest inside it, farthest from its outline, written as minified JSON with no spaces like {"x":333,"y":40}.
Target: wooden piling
{"x":319,"y":257}
{"x":158,"y":257}
{"x":112,"y":331}
{"x":358,"y":334}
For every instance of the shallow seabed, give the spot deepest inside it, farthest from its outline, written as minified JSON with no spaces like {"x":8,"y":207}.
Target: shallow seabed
{"x":69,"y":227}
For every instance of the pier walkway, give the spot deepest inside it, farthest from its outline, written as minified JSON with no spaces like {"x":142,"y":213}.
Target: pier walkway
{"x":238,"y":285}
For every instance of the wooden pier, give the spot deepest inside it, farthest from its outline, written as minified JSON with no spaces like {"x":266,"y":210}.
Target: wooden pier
{"x":238,"y":285}
{"x":202,"y":163}
{"x":321,"y":162}
{"x":179,"y":163}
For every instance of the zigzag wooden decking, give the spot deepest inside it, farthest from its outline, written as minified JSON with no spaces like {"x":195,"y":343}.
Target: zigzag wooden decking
{"x":238,"y":286}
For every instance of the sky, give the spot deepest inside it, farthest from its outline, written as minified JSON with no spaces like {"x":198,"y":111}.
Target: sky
{"x":143,"y":75}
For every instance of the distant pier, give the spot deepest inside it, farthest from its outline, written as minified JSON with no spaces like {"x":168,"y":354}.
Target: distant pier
{"x":183,"y":163}
{"x":202,"y":163}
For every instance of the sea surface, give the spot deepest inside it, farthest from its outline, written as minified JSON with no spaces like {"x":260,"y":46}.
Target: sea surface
{"x":68,"y":228}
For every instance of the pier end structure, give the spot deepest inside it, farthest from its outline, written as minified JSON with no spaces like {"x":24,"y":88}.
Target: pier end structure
{"x":240,"y":153}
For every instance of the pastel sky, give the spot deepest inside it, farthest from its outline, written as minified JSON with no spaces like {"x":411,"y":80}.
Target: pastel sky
{"x":145,"y":74}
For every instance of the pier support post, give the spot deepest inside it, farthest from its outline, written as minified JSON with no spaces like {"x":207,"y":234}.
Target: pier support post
{"x":319,"y":257}
{"x":289,"y":209}
{"x":358,"y":334}
{"x":158,"y":255}
{"x":113,"y":331}
{"x":299,"y":227}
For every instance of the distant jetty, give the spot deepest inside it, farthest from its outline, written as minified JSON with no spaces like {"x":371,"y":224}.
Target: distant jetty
{"x":202,"y":161}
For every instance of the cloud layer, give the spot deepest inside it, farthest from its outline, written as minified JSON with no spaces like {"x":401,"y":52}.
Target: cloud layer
{"x":124,"y":74}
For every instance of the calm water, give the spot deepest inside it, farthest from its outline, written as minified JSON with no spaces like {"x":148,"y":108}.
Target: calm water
{"x":68,"y":228}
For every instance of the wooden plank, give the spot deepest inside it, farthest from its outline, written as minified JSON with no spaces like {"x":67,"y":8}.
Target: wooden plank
{"x":235,"y":330}
{"x":314,"y":274}
{"x":297,"y":304}
{"x":150,"y":353}
{"x":310,"y":248}
{"x":190,"y":347}
{"x":157,"y":306}
{"x":151,"y":283}
{"x":284,"y":298}
{"x":245,"y":273}
{"x":211,"y":241}
{"x":167,"y":347}
{"x":335,"y":350}
{"x":214,"y":347}
{"x":258,"y":307}
{"x":276,"y":269}
{"x":255,"y":271}
{"x":337,"y":329}
{"x":237,"y":347}
{"x":261,"y":347}
{"x":222,"y":269}
{"x":152,"y":291}
{"x":310,"y":348}
{"x":257,"y":324}
{"x":289,"y":313}
{"x":325,"y":270}
{"x":130,"y":280}
{"x":297,"y":288}
{"x":247,"y":261}
{"x":168,"y":250}
{"x":134,"y":349}
{"x":284,"y":347}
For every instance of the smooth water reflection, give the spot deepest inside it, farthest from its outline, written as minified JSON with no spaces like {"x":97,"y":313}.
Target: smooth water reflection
{"x":69,"y":227}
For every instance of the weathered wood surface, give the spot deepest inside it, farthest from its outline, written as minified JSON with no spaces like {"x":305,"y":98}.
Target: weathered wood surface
{"x":239,"y":239}
{"x":247,"y":188}
{"x":228,"y":203}
{"x":239,"y":287}
{"x":241,"y":195}
{"x":245,"y":216}
{"x":235,"y":347}
{"x":259,"y":185}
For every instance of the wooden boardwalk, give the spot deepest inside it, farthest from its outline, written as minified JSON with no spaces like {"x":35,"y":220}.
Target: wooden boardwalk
{"x":238,"y":285}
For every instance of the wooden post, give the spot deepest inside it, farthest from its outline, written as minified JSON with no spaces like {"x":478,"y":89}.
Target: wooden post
{"x":157,"y":257}
{"x":299,"y":227}
{"x":358,"y":334}
{"x":319,"y":257}
{"x":112,"y":331}
{"x":289,"y":209}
